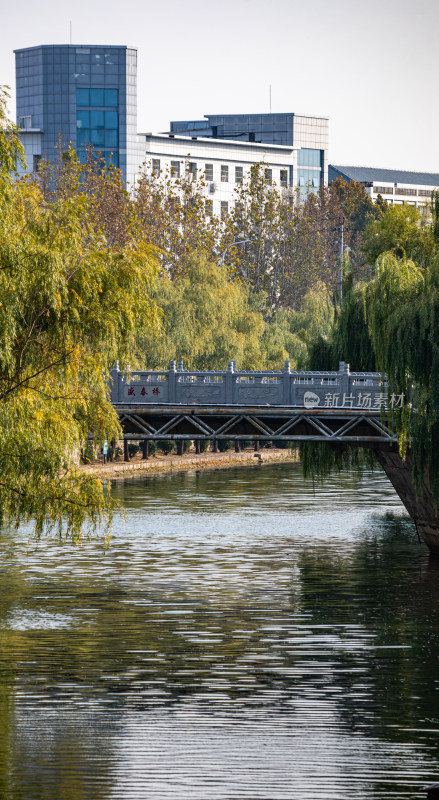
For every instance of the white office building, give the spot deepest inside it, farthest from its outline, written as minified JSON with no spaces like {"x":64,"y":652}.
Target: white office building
{"x":221,"y":165}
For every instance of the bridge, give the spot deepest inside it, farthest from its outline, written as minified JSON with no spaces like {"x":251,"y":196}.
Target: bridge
{"x":287,"y":405}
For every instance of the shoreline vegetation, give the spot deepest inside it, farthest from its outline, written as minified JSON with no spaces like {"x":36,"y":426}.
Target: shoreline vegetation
{"x":188,"y":461}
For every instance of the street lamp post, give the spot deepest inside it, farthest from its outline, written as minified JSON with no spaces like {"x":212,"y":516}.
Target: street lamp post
{"x":232,"y":244}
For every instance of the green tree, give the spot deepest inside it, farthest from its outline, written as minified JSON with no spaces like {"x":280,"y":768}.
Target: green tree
{"x":356,"y":205}
{"x":109,"y":206}
{"x":210,"y":319}
{"x":171,"y":213}
{"x":292,"y":244}
{"x":403,"y":230}
{"x":11,"y":150}
{"x":70,"y":305}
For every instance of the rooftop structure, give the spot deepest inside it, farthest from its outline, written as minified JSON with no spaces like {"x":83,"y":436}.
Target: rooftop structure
{"x":396,"y":187}
{"x":307,"y":134}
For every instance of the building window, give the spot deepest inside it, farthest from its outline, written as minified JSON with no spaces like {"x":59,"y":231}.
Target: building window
{"x":405,"y":191}
{"x":239,"y":174}
{"x":224,"y":173}
{"x":36,"y":164}
{"x":209,"y":172}
{"x":268,"y":175}
{"x":156,"y":166}
{"x":175,"y":169}
{"x":96,"y":124}
{"x":192,"y":168}
{"x":424,"y":192}
{"x":309,"y":180}
{"x":97,"y":127}
{"x":284,"y":177}
{"x":103,"y":98}
{"x":383,"y":189}
{"x":111,"y":98}
{"x":25,"y":123}
{"x":224,"y":209}
{"x":83,"y":97}
{"x":209,"y":208}
{"x":308,"y":157}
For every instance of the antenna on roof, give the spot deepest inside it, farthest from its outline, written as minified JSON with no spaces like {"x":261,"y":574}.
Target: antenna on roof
{"x":70,"y":31}
{"x":270,"y":98}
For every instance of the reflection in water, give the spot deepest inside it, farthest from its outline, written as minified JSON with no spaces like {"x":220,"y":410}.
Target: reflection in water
{"x":247,"y":635}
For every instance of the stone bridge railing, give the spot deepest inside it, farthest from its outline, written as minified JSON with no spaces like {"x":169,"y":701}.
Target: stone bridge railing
{"x":306,"y":389}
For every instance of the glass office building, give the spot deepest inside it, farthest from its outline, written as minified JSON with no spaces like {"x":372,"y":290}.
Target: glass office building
{"x":81,"y":95}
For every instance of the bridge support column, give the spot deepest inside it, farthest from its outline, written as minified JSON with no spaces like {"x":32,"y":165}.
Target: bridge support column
{"x":420,"y":508}
{"x":126,"y":455}
{"x":145,"y":448}
{"x":197,"y":446}
{"x":180,"y":447}
{"x":256,"y":445}
{"x":237,"y":446}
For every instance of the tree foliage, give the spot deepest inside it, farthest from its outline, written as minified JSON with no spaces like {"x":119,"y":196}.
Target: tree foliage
{"x":11,"y":150}
{"x":70,"y":304}
{"x":171,"y":213}
{"x":402,"y":307}
{"x":210,"y":319}
{"x":402,"y":230}
{"x":290,"y":243}
{"x":391,"y":324}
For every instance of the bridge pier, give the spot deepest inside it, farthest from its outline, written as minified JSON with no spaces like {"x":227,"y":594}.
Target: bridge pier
{"x":421,"y":508}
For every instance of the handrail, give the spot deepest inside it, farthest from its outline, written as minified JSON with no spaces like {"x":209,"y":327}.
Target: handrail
{"x":296,"y":388}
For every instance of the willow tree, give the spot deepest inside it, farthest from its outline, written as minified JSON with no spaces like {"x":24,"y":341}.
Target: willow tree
{"x":210,"y":319}
{"x":402,"y":309}
{"x":70,"y":305}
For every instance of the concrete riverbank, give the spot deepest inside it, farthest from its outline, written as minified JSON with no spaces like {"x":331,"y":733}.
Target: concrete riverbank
{"x":188,"y":461}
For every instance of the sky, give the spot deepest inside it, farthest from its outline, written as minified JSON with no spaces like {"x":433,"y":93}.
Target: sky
{"x":371,"y":66}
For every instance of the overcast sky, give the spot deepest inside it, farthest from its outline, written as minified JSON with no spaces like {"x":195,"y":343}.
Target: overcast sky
{"x":370,"y":65}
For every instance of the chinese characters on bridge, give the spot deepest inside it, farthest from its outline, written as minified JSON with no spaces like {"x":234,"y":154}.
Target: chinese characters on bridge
{"x":143,"y":392}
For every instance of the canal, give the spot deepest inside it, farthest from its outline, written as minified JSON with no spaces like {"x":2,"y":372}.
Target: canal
{"x":247,"y":634}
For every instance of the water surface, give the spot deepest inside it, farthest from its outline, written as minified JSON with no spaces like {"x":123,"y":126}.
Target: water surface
{"x":246,"y":635}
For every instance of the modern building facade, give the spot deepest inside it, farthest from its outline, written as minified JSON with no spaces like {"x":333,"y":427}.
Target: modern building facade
{"x":222,"y":165}
{"x":81,"y":95}
{"x":307,"y":134}
{"x":396,"y":187}
{"x":87,"y":95}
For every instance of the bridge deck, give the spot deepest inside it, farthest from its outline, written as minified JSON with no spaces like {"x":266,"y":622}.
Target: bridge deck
{"x":254,"y":422}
